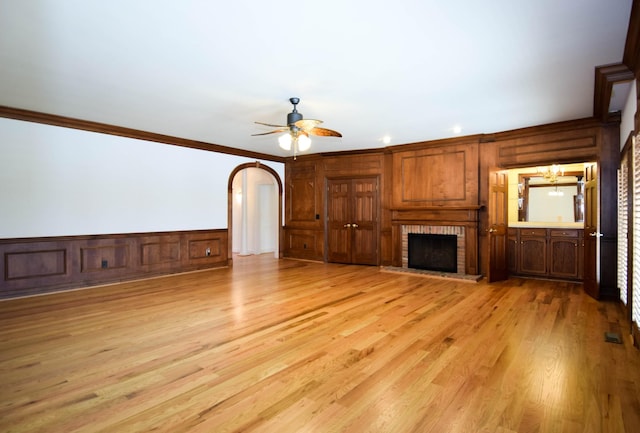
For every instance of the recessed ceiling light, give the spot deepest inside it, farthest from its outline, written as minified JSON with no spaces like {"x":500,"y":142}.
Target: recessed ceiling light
{"x":386,"y":139}
{"x":457,"y":129}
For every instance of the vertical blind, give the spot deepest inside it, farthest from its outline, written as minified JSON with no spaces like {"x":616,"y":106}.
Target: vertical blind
{"x":635,"y":307}
{"x":623,"y":226}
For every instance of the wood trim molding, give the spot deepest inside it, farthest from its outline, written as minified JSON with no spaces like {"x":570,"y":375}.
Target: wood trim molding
{"x":103,"y":128}
{"x":606,"y":77}
{"x":631,"y":56}
{"x":233,"y":174}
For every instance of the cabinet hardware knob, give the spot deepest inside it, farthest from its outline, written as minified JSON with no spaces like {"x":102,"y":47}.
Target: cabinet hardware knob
{"x":347,"y":225}
{"x":354,"y":225}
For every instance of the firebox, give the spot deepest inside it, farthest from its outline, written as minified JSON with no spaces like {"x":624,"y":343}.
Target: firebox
{"x":433,"y":252}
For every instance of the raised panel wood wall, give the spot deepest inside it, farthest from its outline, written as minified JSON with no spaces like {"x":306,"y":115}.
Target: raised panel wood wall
{"x":442,"y":182}
{"x":444,"y":175}
{"x":578,"y":141}
{"x":40,"y":265}
{"x":305,"y":204}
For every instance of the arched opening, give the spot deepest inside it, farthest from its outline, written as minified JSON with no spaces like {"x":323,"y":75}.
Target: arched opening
{"x":254,"y":211}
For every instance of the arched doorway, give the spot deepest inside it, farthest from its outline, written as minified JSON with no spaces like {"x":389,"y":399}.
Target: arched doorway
{"x":254,"y":206}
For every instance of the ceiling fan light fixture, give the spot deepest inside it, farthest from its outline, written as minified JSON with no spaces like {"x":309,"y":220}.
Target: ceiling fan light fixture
{"x":285,"y":141}
{"x":304,"y":143}
{"x":298,"y":130}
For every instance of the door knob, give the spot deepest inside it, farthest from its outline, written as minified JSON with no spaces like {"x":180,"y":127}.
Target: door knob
{"x":354,"y":225}
{"x":492,"y":230}
{"x":347,"y":225}
{"x":596,"y":234}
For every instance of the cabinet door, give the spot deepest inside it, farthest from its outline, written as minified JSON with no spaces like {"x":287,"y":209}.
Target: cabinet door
{"x":533,"y":255}
{"x":563,"y":260}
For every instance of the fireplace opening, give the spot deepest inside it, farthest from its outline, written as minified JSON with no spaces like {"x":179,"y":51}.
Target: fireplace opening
{"x":433,"y":252}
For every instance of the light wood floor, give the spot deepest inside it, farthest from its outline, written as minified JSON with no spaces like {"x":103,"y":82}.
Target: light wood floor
{"x":291,"y":346}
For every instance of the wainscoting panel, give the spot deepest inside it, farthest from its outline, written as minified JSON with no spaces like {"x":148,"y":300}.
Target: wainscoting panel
{"x":304,"y":244}
{"x":153,"y":253}
{"x":40,"y":265}
{"x":100,"y":258}
{"x":34,"y":264}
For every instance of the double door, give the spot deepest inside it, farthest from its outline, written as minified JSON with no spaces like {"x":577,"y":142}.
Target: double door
{"x":352,"y":220}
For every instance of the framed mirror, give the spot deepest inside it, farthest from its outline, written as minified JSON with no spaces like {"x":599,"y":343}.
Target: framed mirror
{"x":554,"y":198}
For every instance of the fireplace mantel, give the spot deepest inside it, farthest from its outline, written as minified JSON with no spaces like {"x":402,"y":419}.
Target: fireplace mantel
{"x":441,"y":215}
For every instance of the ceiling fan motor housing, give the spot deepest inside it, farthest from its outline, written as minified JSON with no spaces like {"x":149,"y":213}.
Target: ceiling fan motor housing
{"x":294,"y":116}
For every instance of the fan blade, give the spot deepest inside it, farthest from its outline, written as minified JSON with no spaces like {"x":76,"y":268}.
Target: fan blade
{"x":324,"y":132}
{"x":270,"y":124}
{"x":307,"y":124}
{"x":272,"y":132}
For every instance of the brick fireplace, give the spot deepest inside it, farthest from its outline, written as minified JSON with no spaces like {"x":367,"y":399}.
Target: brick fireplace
{"x":458,"y":231}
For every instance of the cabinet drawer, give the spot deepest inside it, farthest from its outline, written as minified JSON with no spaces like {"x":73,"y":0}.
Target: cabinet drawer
{"x":533,"y":232}
{"x":570,"y":233}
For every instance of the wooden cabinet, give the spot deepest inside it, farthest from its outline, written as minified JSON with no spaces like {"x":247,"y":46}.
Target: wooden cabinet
{"x":512,"y":250}
{"x":564,"y":254}
{"x":546,"y":252}
{"x":533,"y":252}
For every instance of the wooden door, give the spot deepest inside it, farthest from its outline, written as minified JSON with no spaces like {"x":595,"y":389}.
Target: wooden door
{"x":591,"y":234}
{"x":497,"y":231}
{"x":364,"y":228}
{"x":352,"y":220}
{"x":339,"y":221}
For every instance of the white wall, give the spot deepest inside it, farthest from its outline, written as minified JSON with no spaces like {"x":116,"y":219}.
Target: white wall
{"x":255,"y":212}
{"x":628,"y":113}
{"x":58,"y":181}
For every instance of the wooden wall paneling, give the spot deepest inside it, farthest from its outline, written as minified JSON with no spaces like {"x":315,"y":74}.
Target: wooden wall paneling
{"x":353,"y":165}
{"x":631,"y":56}
{"x":35,"y":264}
{"x":105,"y":257}
{"x":304,"y":212}
{"x":488,"y":160}
{"x":202,"y":250}
{"x":40,"y":265}
{"x":576,"y":141}
{"x":158,"y":251}
{"x":386,"y":230}
{"x":608,"y":163}
{"x":304,"y":244}
{"x":32,"y":263}
{"x":301,"y":183}
{"x":306,"y":180}
{"x":443,"y":175}
{"x":472,"y":265}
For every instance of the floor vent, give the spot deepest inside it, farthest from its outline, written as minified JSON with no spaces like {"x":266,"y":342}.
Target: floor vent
{"x":612,"y":337}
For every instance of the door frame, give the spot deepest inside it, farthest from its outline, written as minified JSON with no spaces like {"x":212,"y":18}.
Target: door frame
{"x":233,"y":174}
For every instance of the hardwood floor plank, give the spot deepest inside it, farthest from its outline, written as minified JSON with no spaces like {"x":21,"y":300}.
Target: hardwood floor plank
{"x":289,"y":346}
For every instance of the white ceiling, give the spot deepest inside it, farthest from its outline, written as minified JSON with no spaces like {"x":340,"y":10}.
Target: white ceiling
{"x":410,"y":69}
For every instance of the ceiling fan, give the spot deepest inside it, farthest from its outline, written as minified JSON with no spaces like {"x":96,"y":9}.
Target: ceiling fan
{"x":298,"y":130}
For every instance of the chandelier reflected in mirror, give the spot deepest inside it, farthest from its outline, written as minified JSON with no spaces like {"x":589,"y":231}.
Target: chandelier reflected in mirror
{"x":551,"y":174}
